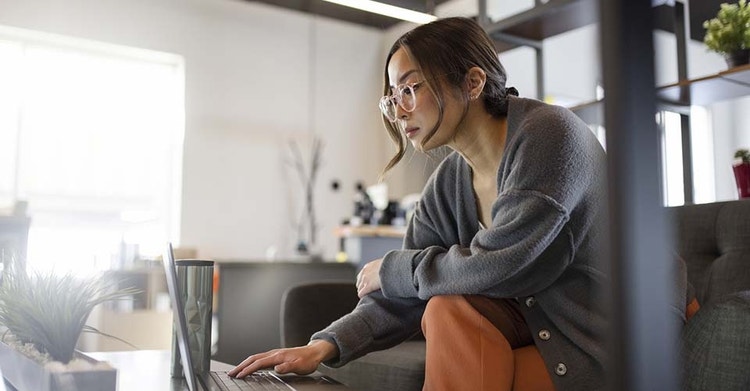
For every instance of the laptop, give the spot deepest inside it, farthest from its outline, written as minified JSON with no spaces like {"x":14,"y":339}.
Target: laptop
{"x":219,"y":380}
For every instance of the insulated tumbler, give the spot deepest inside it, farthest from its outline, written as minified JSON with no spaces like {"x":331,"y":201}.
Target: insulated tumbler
{"x":195,"y":282}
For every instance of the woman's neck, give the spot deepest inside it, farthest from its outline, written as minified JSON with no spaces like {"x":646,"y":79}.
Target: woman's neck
{"x":481,"y":142}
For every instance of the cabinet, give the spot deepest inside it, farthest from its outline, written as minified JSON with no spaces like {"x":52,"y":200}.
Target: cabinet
{"x":366,"y":243}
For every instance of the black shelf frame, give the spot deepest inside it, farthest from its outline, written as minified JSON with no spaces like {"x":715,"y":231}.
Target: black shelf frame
{"x":541,"y":22}
{"x":545,"y":20}
{"x":725,"y":85}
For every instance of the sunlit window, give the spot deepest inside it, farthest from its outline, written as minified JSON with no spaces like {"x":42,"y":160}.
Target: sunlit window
{"x":702,"y":137}
{"x":672,"y":158}
{"x":91,"y":136}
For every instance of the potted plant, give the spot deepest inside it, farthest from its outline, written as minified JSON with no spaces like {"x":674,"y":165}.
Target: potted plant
{"x":729,"y":33}
{"x":741,"y":169}
{"x":42,"y":316}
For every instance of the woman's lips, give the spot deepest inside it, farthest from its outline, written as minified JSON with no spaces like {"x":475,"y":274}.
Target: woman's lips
{"x":410,"y":132}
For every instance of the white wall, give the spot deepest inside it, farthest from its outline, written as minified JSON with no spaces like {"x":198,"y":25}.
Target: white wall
{"x":252,"y":82}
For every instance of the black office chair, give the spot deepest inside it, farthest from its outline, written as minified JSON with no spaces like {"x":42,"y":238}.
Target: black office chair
{"x":302,"y":313}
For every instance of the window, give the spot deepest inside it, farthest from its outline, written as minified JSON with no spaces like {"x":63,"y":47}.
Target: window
{"x":91,"y":136}
{"x":672,"y":159}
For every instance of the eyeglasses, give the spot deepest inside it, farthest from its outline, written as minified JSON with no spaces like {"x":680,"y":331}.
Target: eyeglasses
{"x":404,"y":96}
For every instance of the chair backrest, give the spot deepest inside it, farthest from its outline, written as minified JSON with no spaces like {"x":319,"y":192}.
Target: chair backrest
{"x":301,"y":312}
{"x":249,"y":297}
{"x":714,"y":241}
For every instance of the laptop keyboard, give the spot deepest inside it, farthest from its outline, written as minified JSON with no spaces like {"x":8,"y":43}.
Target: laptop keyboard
{"x":257,"y":381}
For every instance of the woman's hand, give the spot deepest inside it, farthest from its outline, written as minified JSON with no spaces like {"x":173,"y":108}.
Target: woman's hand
{"x":301,"y":360}
{"x":368,"y":279}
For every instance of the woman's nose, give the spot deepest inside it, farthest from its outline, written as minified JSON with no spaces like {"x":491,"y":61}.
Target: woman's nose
{"x":401,"y":113}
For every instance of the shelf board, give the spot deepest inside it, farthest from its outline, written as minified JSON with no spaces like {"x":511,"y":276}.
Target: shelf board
{"x":544,"y":21}
{"x":547,"y":20}
{"x":730,"y":84}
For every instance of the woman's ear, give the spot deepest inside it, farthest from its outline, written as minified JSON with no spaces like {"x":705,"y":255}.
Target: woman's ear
{"x":475,"y":78}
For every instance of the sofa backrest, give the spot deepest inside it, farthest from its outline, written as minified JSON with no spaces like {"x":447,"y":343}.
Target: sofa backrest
{"x":714,"y":241}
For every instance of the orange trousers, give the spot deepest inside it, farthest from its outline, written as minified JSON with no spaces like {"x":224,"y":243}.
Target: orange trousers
{"x":465,"y":351}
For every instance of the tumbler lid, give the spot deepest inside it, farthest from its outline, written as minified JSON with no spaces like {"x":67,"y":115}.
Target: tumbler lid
{"x":194,"y":262}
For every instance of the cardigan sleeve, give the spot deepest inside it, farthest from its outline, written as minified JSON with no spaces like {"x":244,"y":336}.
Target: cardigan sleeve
{"x":378,"y":322}
{"x":549,"y":167}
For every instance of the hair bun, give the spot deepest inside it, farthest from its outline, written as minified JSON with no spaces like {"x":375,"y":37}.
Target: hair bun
{"x":511,"y":91}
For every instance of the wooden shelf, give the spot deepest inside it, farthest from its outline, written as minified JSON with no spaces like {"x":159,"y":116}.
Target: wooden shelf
{"x":544,"y":21}
{"x":730,"y":84}
{"x":555,"y":17}
{"x":370,"y":230}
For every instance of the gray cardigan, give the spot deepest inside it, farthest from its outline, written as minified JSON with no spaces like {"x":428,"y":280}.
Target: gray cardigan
{"x":541,"y":249}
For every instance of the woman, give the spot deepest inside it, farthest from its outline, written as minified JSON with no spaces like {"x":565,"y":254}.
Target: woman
{"x":500,"y":263}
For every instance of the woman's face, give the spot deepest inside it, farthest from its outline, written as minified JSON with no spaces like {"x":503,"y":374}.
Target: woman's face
{"x":419,"y":122}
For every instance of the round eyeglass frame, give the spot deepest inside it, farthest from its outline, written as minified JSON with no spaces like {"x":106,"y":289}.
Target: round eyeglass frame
{"x":388,"y":103}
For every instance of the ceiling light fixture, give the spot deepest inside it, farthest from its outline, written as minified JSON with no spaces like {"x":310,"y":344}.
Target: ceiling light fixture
{"x":387,"y":10}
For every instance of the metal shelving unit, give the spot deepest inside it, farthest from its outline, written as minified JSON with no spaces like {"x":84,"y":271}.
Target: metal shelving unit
{"x":644,"y":341}
{"x":544,"y":21}
{"x":531,"y":27}
{"x":730,"y":84}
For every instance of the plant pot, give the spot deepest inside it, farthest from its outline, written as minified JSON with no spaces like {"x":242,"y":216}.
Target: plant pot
{"x":742,"y":177}
{"x":737,"y":58}
{"x":26,"y":374}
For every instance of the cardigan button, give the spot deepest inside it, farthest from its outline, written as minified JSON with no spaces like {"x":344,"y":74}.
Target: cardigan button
{"x":561,"y":369}
{"x":530,"y":301}
{"x":544,"y":335}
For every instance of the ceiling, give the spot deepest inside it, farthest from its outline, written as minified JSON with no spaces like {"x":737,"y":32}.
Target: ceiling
{"x":335,"y":11}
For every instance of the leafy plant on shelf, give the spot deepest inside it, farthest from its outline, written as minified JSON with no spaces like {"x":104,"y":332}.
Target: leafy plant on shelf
{"x":729,"y":31}
{"x":743,"y":154}
{"x":49,"y":311}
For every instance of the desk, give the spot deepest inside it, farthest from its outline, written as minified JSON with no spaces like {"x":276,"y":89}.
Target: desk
{"x":143,"y":370}
{"x":147,"y":370}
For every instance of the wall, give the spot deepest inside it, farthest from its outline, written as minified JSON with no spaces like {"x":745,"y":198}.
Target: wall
{"x":731,"y":132}
{"x":256,"y":77}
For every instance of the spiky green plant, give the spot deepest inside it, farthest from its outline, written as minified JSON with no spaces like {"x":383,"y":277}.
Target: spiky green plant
{"x":729,"y":31}
{"x":743,"y":154}
{"x":50,"y":310}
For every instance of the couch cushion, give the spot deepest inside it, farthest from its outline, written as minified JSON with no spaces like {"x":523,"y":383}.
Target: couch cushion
{"x":398,"y":368}
{"x":716,"y":346}
{"x":714,"y":241}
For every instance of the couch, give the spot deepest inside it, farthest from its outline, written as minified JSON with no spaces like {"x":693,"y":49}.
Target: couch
{"x":712,"y":239}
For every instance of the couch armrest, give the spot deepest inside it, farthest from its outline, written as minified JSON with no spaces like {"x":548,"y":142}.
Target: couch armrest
{"x":310,"y":307}
{"x":716,"y":345}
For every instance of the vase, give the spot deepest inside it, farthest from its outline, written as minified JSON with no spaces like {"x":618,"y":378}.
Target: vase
{"x":737,"y":58}
{"x":742,"y":177}
{"x":26,"y":374}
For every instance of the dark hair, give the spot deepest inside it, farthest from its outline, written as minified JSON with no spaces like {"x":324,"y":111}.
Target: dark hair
{"x":444,"y":51}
